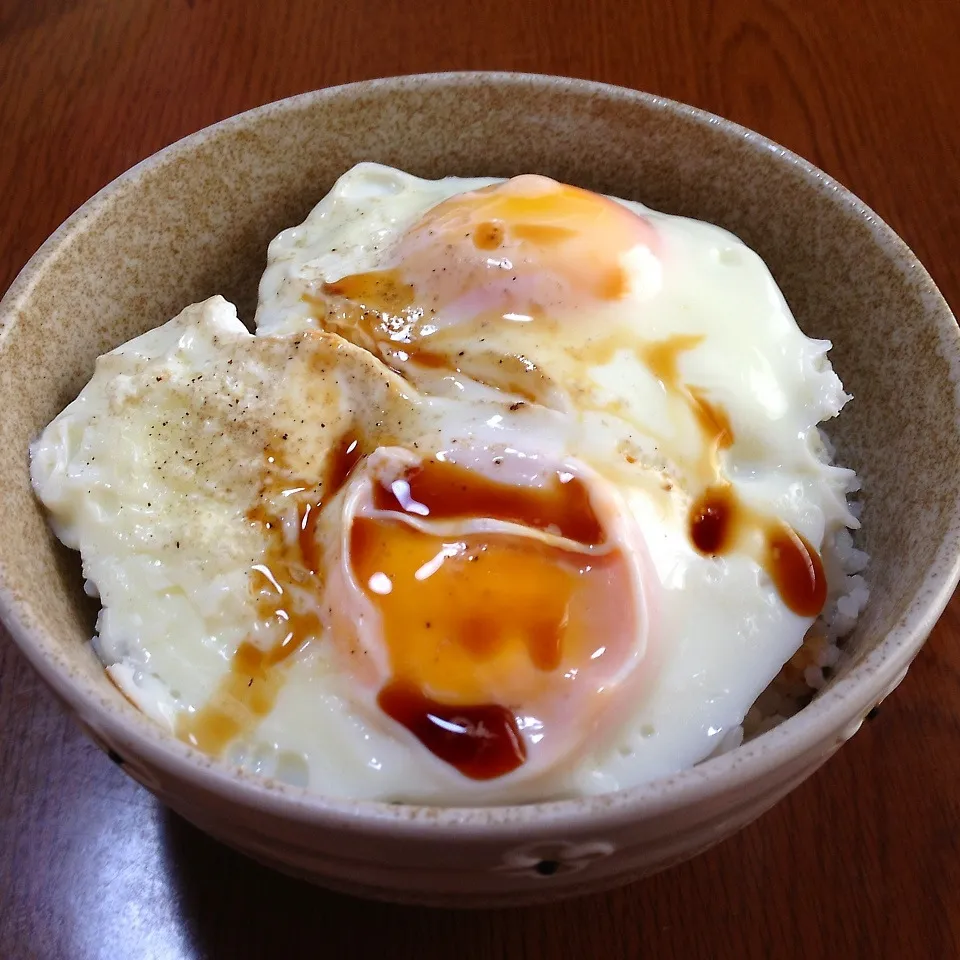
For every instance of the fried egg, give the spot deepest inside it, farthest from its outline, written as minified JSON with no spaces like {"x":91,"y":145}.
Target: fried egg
{"x":517,"y":493}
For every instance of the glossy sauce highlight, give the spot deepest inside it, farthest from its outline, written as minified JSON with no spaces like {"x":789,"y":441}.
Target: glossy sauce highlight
{"x":482,"y":742}
{"x":445,"y":491}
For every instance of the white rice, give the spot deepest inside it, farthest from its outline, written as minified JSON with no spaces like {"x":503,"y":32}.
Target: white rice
{"x":822,"y":650}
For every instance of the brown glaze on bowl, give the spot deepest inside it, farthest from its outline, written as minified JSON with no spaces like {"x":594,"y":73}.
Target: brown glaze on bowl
{"x":196,"y":219}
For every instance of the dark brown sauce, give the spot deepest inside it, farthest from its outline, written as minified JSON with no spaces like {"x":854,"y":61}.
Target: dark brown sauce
{"x":344,"y":457}
{"x":446,"y":491}
{"x":712,"y":521}
{"x":796,"y":569}
{"x":719,"y":523}
{"x":481,"y":741}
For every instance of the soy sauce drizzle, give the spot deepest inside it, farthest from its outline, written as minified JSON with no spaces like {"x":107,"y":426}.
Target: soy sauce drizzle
{"x":344,"y":457}
{"x":796,"y":569}
{"x":376,"y":312}
{"x":720,"y":523}
{"x":482,"y":742}
{"x":443,"y":490}
{"x":249,"y":691}
{"x":712,"y":521}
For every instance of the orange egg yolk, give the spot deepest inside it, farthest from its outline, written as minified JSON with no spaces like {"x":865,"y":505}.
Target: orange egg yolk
{"x":489,"y":625}
{"x":524,"y":249}
{"x":544,"y":238}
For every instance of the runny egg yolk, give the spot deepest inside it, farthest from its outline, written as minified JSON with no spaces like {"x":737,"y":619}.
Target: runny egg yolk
{"x":483,"y":621}
{"x":529,"y":240}
{"x":491,"y":632}
{"x":526,"y":250}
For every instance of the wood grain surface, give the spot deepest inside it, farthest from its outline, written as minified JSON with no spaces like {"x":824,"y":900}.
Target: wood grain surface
{"x":861,"y":861}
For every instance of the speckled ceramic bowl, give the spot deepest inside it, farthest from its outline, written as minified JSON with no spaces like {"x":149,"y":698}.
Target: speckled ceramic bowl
{"x":195,"y":220}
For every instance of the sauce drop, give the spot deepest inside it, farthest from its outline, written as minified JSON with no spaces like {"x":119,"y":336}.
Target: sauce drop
{"x":712,"y":521}
{"x":487,"y":236}
{"x":446,"y":491}
{"x":481,"y":741}
{"x":796,"y":569}
{"x":718,"y":521}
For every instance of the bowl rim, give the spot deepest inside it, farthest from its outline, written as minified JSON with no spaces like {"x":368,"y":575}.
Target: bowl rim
{"x":836,"y":708}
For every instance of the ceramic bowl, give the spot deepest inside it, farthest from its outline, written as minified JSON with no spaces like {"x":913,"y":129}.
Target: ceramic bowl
{"x":196,"y":219}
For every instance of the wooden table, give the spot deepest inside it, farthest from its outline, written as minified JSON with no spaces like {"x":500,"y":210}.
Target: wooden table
{"x":861,"y":861}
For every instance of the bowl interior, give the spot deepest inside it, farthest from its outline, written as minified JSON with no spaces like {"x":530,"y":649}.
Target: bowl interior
{"x":197,"y":220}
